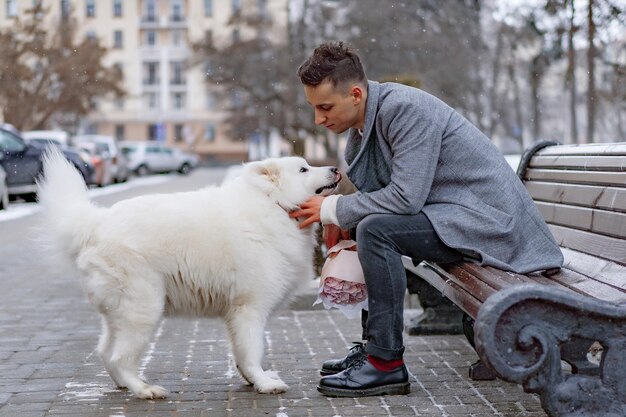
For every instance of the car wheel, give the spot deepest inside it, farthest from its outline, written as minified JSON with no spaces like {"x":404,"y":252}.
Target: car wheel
{"x":30,"y":197}
{"x":4,"y":199}
{"x":142,"y":170}
{"x":185,"y":169}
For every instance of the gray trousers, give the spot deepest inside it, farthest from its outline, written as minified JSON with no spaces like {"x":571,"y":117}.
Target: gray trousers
{"x":381,"y":240}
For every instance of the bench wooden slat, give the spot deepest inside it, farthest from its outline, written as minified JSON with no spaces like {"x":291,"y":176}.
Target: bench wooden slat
{"x":579,"y":162}
{"x":597,"y":221}
{"x":595,"y":268}
{"x":491,"y":278}
{"x":439,"y":279}
{"x":578,"y":177}
{"x":604,"y":247}
{"x":462,"y":298}
{"x":611,"y":198}
{"x":584,"y":285}
{"x":586,"y":149}
{"x":475,"y":286}
{"x":498,"y":279}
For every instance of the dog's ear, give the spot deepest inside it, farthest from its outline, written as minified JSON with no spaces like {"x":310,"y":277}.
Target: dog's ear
{"x":267,"y":169}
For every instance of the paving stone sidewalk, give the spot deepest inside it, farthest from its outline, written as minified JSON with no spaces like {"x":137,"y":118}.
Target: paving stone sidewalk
{"x":48,"y":368}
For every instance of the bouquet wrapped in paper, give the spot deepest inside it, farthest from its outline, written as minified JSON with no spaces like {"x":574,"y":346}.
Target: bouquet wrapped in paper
{"x":342,"y":285}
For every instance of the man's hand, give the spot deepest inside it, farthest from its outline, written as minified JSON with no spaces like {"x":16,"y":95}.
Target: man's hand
{"x":333,"y":234}
{"x":309,"y":209}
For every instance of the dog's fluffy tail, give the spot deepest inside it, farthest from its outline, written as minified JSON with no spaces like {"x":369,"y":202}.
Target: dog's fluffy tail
{"x":69,"y":217}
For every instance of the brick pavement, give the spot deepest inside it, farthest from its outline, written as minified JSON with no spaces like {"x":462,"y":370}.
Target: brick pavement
{"x":48,"y":368}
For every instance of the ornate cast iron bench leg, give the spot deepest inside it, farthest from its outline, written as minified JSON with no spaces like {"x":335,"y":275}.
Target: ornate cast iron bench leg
{"x":521,"y":331}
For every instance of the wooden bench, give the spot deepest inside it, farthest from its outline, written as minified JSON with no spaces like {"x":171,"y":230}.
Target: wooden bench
{"x":525,"y":325}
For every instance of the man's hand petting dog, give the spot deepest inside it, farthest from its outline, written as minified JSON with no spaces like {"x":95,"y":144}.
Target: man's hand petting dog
{"x":310,"y":210}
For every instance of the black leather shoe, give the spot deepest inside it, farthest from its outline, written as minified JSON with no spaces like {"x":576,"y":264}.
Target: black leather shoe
{"x":363,"y":380}
{"x":334,"y":366}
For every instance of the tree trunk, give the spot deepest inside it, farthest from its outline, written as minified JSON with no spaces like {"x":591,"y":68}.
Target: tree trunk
{"x":537,"y":69}
{"x":591,"y":89}
{"x":494,"y":115}
{"x":571,"y":76}
{"x":518,"y":131}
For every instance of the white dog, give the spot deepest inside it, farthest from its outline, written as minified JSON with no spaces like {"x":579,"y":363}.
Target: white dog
{"x":229,"y":251}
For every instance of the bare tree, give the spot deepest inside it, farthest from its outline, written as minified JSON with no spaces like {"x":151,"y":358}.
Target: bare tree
{"x":47,"y":76}
{"x":591,"y":71}
{"x":570,"y":78}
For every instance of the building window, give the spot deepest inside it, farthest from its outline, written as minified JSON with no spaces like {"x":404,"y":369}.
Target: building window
{"x":119,"y":67}
{"x":90,"y":35}
{"x":209,"y":132}
{"x":117,"y":8}
{"x":263,"y":8}
{"x":236,"y":35}
{"x":177,"y":37}
{"x":177,"y":11}
{"x":235,"y":6}
{"x":236,"y":99}
{"x":208,"y":8}
{"x":178,"y":101}
{"x":118,"y":39}
{"x":153,"y":132}
{"x":119,"y":104}
{"x":210,"y":101}
{"x":179,"y":133}
{"x":120,"y":132}
{"x":91,"y":129}
{"x":65,"y":8}
{"x":150,"y":15}
{"x":150,"y":72}
{"x":177,"y":69}
{"x":150,"y":101}
{"x":11,"y":8}
{"x":208,"y":38}
{"x":90,"y":8}
{"x":151,"y":38}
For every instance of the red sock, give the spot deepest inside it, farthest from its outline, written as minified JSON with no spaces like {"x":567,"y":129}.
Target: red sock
{"x":384,"y":365}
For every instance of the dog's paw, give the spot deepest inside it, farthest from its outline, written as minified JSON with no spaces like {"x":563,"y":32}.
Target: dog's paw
{"x":151,"y":392}
{"x":272,"y":375}
{"x":270,"y":386}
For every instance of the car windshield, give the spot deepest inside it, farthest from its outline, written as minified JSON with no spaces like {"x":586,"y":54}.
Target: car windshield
{"x":44,"y":143}
{"x":128,"y":150}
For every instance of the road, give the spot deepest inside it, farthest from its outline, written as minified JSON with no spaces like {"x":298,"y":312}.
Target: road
{"x":48,"y":334}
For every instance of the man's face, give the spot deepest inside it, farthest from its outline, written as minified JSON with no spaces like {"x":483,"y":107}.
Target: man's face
{"x":336,"y":108}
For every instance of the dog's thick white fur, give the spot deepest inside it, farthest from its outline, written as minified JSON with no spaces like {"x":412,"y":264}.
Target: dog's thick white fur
{"x":230,"y":251}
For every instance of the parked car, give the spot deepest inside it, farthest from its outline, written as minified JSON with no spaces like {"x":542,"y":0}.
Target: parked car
{"x":80,"y":159}
{"x":22,"y":162}
{"x":4,"y":188}
{"x":101,"y":161}
{"x":119,"y":165}
{"x":148,"y":157}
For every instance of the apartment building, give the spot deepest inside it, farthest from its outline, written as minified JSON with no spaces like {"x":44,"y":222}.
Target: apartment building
{"x":150,"y":41}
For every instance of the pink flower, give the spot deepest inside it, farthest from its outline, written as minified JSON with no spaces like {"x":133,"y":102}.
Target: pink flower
{"x":342,"y":292}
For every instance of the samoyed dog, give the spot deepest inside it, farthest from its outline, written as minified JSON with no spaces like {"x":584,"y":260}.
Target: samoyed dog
{"x":230,"y":251}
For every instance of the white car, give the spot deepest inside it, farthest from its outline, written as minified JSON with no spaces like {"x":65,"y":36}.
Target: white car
{"x":119,"y":168}
{"x":147,"y":157}
{"x":58,"y":137}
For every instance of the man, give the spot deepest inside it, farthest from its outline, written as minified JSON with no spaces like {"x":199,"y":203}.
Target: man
{"x":430,"y":186}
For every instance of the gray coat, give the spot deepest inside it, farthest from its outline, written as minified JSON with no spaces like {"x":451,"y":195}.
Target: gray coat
{"x":418,"y":154}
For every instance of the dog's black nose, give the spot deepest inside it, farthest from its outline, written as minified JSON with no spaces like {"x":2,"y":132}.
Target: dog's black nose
{"x":334,"y":170}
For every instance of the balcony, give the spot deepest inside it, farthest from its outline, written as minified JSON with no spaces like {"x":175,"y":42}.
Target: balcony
{"x":151,"y":81}
{"x":152,"y":22}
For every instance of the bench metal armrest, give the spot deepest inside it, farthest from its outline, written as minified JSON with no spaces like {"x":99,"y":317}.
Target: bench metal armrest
{"x":520,"y":331}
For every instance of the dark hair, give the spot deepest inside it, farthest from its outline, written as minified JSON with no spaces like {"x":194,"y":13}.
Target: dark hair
{"x":332,"y":60}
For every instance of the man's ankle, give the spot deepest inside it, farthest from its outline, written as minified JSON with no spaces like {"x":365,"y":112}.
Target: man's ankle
{"x":385,"y":365}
